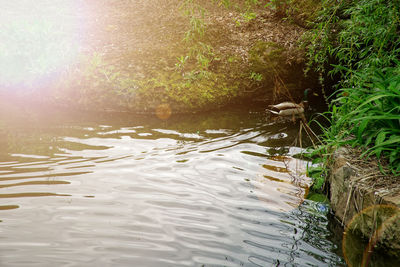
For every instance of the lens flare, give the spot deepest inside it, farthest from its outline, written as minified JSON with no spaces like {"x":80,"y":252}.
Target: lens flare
{"x":38,"y":39}
{"x":163,"y":111}
{"x":380,"y":220}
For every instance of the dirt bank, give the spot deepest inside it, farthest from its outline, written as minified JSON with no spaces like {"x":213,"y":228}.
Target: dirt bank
{"x":138,"y":55}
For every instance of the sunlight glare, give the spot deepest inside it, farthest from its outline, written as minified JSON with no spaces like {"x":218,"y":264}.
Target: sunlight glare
{"x":38,"y":39}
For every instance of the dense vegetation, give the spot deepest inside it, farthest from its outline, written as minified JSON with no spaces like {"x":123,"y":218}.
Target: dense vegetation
{"x":357,"y":42}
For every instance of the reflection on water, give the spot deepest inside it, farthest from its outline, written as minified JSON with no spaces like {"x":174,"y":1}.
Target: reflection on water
{"x":218,"y":189}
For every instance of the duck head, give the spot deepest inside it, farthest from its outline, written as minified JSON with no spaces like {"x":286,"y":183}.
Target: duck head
{"x":306,"y":95}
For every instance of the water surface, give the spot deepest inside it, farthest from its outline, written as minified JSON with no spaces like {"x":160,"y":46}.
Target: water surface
{"x":214,"y":189}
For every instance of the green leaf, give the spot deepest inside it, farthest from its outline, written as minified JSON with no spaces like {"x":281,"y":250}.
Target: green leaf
{"x":392,"y":140}
{"x":394,"y":156}
{"x":380,"y":138}
{"x":361,"y":129}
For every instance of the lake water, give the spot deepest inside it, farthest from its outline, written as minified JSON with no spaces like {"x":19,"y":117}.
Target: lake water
{"x":214,"y":189}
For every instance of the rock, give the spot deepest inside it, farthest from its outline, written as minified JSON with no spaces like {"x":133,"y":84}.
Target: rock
{"x":364,"y":203}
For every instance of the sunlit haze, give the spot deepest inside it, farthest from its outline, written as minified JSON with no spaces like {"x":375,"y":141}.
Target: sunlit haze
{"x":38,"y":39}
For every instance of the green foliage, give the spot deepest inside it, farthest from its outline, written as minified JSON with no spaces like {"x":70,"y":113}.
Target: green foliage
{"x":362,"y":38}
{"x":181,"y":63}
{"x":318,"y":175}
{"x":195,"y":13}
{"x":249,"y":14}
{"x":199,"y":82}
{"x":199,"y":52}
{"x":320,"y":39}
{"x":321,"y":198}
{"x":257,"y":77}
{"x":375,"y":117}
{"x":193,"y":90}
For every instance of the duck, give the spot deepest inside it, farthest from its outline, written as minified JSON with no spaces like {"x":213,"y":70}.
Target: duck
{"x":289,"y":108}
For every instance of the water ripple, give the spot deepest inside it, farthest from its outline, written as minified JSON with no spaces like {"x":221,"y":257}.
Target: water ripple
{"x":146,"y":194}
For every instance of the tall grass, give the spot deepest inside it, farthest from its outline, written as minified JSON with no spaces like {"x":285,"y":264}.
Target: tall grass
{"x":362,"y":39}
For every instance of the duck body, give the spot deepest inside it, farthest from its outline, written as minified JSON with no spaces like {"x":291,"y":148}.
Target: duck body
{"x":287,"y":109}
